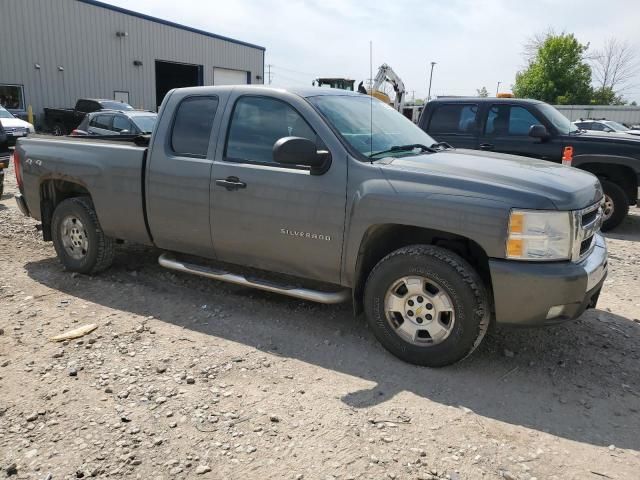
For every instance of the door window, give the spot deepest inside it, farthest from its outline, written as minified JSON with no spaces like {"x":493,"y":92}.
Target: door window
{"x":509,"y":120}
{"x":257,"y":124}
{"x":454,"y":118}
{"x":102,"y":121}
{"x":121,"y":123}
{"x":192,"y":126}
{"x":598,"y":127}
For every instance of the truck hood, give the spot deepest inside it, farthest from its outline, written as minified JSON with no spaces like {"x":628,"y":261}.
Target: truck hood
{"x":16,"y":122}
{"x":519,"y":182}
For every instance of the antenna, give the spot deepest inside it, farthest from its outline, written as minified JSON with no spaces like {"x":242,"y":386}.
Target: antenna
{"x":371,"y":94}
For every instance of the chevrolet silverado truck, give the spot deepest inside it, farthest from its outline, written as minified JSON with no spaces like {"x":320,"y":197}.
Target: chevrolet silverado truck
{"x":329,"y":195}
{"x":536,"y":129}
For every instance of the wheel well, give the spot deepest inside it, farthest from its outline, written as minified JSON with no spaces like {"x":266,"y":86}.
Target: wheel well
{"x":380,"y":240}
{"x":621,"y":175}
{"x":52,"y":192}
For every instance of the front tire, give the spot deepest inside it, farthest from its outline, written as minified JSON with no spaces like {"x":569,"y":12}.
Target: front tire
{"x":616,"y":205}
{"x":427,"y":305}
{"x":79,"y":241}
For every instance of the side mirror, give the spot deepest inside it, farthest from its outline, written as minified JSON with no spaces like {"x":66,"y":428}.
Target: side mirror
{"x":301,"y":151}
{"x":538,"y":131}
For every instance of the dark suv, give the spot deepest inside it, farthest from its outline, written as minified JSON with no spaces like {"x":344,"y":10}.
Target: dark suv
{"x":535,"y":129}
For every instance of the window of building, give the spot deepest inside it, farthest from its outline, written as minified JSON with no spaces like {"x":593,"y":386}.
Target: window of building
{"x":12,"y":97}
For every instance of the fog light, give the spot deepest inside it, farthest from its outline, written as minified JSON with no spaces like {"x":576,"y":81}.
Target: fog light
{"x":555,"y":311}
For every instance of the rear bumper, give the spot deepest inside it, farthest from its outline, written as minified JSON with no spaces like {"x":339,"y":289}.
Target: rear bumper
{"x":531,"y":294}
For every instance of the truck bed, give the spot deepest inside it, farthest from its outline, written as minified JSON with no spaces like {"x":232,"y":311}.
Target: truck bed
{"x":113,"y":171}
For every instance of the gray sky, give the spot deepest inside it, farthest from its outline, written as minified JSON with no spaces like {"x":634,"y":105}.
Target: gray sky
{"x":475,"y":43}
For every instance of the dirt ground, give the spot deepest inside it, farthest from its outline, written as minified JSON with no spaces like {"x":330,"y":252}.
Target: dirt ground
{"x":190,"y":378}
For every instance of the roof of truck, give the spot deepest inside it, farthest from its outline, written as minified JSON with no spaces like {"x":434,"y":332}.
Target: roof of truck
{"x":483,"y":100}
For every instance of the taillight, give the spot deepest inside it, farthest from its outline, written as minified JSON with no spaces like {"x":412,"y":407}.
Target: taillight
{"x":16,"y":167}
{"x":567,"y":156}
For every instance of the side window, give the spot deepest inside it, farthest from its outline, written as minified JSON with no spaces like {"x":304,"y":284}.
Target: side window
{"x":258,"y":123}
{"x":88,"y":106}
{"x":102,"y":121}
{"x":121,"y":123}
{"x":509,"y":120}
{"x":192,"y":126}
{"x":454,"y":118}
{"x":597,"y":126}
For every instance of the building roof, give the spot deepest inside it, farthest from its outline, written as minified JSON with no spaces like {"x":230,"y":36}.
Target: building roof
{"x":96,"y":3}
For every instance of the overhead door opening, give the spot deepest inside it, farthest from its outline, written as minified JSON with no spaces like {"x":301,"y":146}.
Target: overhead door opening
{"x":176,"y":75}
{"x":226,"y":76}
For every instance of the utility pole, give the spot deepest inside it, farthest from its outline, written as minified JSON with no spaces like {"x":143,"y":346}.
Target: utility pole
{"x":269,"y":72}
{"x":498,"y":88}
{"x":433,"y":64}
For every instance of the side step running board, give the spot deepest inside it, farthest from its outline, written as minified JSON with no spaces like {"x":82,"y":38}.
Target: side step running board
{"x":168,"y":261}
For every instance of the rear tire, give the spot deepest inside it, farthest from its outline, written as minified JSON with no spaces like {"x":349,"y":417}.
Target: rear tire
{"x":79,"y":241}
{"x":616,"y":205}
{"x":58,"y":130}
{"x":427,"y":305}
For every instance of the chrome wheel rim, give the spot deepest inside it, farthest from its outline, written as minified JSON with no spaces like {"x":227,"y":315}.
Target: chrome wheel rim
{"x":607,"y":209}
{"x":74,"y":238}
{"x":419,"y":310}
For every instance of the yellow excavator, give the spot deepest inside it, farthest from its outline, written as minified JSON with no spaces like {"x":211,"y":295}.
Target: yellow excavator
{"x":385,"y":74}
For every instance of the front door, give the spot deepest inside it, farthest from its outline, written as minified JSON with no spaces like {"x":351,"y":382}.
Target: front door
{"x":274,"y":217}
{"x":506,"y":130}
{"x":178,"y":177}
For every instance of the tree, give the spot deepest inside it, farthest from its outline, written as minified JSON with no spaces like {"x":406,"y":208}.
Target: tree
{"x":558,"y":73}
{"x":634,"y":104}
{"x":482,"y":92}
{"x":614,"y":67}
{"x":606,"y":96}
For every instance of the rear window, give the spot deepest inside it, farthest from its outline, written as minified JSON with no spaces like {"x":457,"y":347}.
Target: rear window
{"x":454,"y":118}
{"x":192,"y":126}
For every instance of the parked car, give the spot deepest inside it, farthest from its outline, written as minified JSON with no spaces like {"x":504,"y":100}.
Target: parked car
{"x":342,"y":197}
{"x":536,"y":129}
{"x":607,"y":126}
{"x":14,"y":128}
{"x":106,"y":122}
{"x":61,"y":121}
{"x":4,"y":156}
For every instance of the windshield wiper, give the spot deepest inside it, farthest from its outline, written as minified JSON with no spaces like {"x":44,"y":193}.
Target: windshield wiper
{"x":404,"y":148}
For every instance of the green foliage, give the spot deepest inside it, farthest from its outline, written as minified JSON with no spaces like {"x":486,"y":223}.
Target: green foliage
{"x":557,"y":74}
{"x":482,"y":92}
{"x":606,"y":96}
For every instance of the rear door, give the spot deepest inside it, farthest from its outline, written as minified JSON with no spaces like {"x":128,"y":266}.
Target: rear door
{"x":179,"y":169}
{"x":506,"y":127}
{"x":279,"y":218}
{"x":101,"y":125}
{"x":455,"y":123}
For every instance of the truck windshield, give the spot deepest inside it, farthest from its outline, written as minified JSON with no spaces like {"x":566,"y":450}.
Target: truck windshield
{"x":351,"y":116}
{"x":618,"y":127}
{"x":4,"y":113}
{"x":562,"y":123}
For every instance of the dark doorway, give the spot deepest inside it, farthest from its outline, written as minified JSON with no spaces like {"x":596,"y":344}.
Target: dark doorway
{"x":176,"y":75}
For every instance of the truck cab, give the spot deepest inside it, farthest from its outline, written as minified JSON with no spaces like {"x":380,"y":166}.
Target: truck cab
{"x":536,"y":129}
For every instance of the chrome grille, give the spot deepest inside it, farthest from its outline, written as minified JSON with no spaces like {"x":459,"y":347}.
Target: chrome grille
{"x":586,"y":224}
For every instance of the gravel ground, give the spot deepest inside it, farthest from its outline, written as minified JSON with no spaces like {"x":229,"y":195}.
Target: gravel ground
{"x":190,"y":378}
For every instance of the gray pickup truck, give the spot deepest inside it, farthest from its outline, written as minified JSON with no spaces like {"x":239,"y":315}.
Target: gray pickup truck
{"x":328,"y":195}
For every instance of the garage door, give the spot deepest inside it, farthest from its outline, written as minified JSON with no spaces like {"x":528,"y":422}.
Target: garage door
{"x":225,"y":76}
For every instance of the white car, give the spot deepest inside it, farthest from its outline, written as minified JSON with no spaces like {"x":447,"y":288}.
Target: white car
{"x":14,"y":127}
{"x":608,"y":126}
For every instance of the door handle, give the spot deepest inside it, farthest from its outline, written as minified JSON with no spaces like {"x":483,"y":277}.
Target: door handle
{"x":486,"y":146}
{"x":231,"y":183}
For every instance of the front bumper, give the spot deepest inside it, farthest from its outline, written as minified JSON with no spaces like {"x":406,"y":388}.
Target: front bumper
{"x":525,"y":292}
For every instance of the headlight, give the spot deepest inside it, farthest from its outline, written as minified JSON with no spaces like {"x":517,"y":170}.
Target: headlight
{"x":539,"y":235}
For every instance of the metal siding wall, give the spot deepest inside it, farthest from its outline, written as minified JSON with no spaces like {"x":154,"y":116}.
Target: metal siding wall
{"x":81,"y":38}
{"x":623,"y":114}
